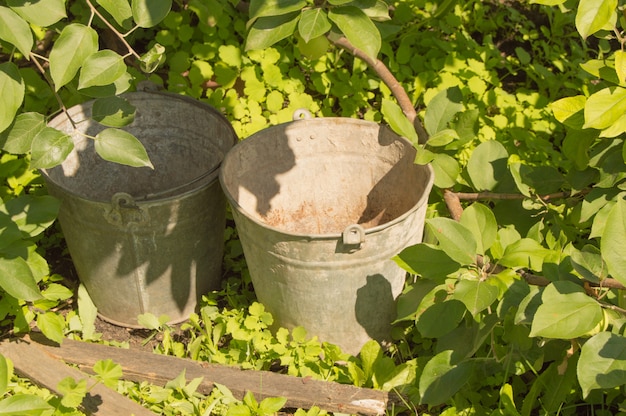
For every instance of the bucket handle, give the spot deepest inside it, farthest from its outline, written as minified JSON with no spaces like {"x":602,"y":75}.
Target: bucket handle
{"x":124,"y":211}
{"x":353,"y":235}
{"x":301,"y":114}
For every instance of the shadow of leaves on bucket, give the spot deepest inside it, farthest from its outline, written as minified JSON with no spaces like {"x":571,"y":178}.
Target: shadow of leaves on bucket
{"x":375,"y":307}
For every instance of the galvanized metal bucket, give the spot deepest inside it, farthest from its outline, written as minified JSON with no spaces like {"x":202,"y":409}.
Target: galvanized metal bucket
{"x":146,"y":240}
{"x":321,"y":206}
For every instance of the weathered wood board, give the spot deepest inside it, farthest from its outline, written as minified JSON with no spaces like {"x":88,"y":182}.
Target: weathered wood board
{"x":159,"y":369}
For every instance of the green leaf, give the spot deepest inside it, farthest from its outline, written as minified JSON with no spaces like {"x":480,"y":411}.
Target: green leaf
{"x":121,"y":147}
{"x":73,"y":391}
{"x":481,"y":221}
{"x":443,"y":138}
{"x":33,"y":214}
{"x":50,"y":148}
{"x":102,"y":68}
{"x":476,"y":295}
{"x":151,"y":60}
{"x":524,"y":253}
{"x":16,"y":31}
{"x":397,"y":120}
{"x":370,"y":353}
{"x":6,"y":373}
{"x":446,"y":169}
{"x":576,"y":146}
{"x":16,"y":278}
{"x":51,"y":325}
{"x":271,"y":405}
{"x":594,"y":15}
{"x":19,"y":137}
{"x":488,"y":165}
{"x":441,"y":379}
{"x":357,"y":28}
{"x":620,"y":66}
{"x":120,"y":10}
{"x":602,"y":362}
{"x":87,"y":312}
{"x":75,"y":44}
{"x":605,"y":107}
{"x":266,"y":31}
{"x":440,"y":318}
{"x":24,"y":404}
{"x":566,"y":312}
{"x":313,"y":23}
{"x":148,"y":13}
{"x":588,"y":263}
{"x":442,"y":108}
{"x":569,"y":110}
{"x":269,"y":8}
{"x":614,"y":240}
{"x":454,"y":238}
{"x":12,"y":93}
{"x":149,"y":321}
{"x":119,"y":86}
{"x":41,"y":13}
{"x":108,"y":372}
{"x":113,"y":111}
{"x":427,"y":261}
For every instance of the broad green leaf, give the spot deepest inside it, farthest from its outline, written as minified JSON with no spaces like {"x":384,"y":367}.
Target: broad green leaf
{"x":427,"y":261}
{"x":102,"y":68}
{"x":12,"y":93}
{"x":476,"y":295}
{"x":6,"y":373}
{"x":17,"y":279}
{"x":620,"y":66}
{"x":51,"y":325}
{"x":482,"y":223}
{"x":613,"y":241}
{"x":19,"y":137}
{"x":75,"y":44}
{"x":120,"y":10}
{"x":370,"y":353}
{"x":357,"y":28}
{"x":41,"y":13}
{"x":24,"y":404}
{"x":538,"y":180}
{"x":9,"y":232}
{"x":442,"y":138}
{"x":442,"y":108}
{"x":266,"y":31}
{"x":417,"y":298}
{"x":313,"y":23}
{"x":33,"y":214}
{"x":441,"y":378}
{"x":113,"y":111}
{"x":487,"y":165}
{"x":446,"y":169}
{"x":149,"y":321}
{"x":524,"y":253}
{"x":440,"y":318}
{"x":271,"y":405}
{"x":594,"y":15}
{"x":454,"y":238}
{"x":605,"y":107}
{"x":119,"y":86}
{"x":87,"y":312}
{"x":269,"y":8}
{"x":16,"y":31}
{"x":569,"y":110}
{"x":397,"y":120}
{"x":121,"y":147}
{"x":602,"y":362}
{"x":108,"y":372}
{"x":153,"y":59}
{"x":56,"y":291}
{"x":566,"y":312}
{"x":576,"y":146}
{"x":379,"y":11}
{"x":73,"y":392}
{"x":588,"y":263}
{"x":148,"y":13}
{"x":315,"y":48}
{"x":50,"y":148}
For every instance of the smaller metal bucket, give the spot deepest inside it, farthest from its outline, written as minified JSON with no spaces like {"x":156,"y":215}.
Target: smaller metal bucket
{"x":321,"y":207}
{"x":146,"y":240}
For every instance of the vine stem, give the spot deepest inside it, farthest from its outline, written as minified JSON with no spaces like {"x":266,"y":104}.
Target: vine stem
{"x":390,"y":80}
{"x":114,"y":30}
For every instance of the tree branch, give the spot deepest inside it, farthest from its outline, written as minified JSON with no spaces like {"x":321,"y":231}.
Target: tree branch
{"x":476,"y":196}
{"x":390,"y":80}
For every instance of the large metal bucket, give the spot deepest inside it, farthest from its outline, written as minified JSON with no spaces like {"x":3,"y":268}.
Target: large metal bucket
{"x":146,"y":240}
{"x":321,"y":207}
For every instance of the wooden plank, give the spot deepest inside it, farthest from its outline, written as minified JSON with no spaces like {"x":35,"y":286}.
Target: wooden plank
{"x":159,"y":369}
{"x":31,"y":362}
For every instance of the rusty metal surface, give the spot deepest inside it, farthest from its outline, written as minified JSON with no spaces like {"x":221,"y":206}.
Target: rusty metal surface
{"x":146,"y":240}
{"x":321,"y":207}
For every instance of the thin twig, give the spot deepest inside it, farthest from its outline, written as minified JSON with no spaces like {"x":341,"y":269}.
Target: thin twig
{"x":117,"y":33}
{"x":476,"y":196}
{"x":35,"y":58}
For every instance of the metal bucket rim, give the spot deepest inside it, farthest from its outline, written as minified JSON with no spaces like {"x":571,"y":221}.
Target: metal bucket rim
{"x":327,"y":236}
{"x":205,"y":180}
